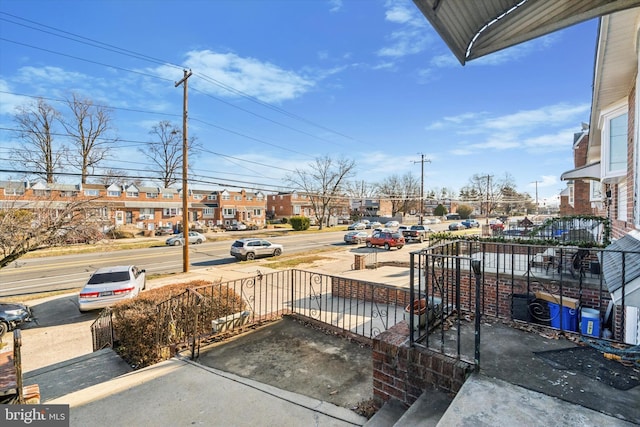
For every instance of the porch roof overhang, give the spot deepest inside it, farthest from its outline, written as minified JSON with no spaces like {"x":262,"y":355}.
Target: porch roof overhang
{"x":590,"y":171}
{"x":473,"y":29}
{"x":621,"y":269}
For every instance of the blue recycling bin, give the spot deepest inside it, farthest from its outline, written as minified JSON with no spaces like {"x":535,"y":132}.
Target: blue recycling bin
{"x":569,"y":321}
{"x":590,"y":322}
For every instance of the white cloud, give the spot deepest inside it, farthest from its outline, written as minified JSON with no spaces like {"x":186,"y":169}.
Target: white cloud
{"x":263,"y":80}
{"x":335,"y":5}
{"x":413,"y":35}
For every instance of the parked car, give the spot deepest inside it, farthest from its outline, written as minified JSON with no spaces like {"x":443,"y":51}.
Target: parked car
{"x":470,"y":223}
{"x":453,"y":217}
{"x":109,"y":285}
{"x":391,"y":224}
{"x":456,"y":226}
{"x":12,"y":316}
{"x":238,"y":226}
{"x":374,"y":224}
{"x":496,"y":224}
{"x":356,"y":237}
{"x":164,"y":231}
{"x":248,"y":249}
{"x":357,"y":226}
{"x":402,"y":228}
{"x":387,"y":239}
{"x":417,"y":233}
{"x":195,"y":238}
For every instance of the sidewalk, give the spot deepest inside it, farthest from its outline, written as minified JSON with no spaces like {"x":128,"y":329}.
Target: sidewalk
{"x":180,"y":393}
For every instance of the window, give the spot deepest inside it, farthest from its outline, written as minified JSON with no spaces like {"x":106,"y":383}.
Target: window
{"x":114,"y":193}
{"x":212,"y":197}
{"x":133,"y":194}
{"x":207,"y":212}
{"x":146,"y":213}
{"x":296,"y":210}
{"x":42,"y":193}
{"x":198,"y":196}
{"x":68,"y":193}
{"x":152,"y":195}
{"x":228,"y":211}
{"x":171,"y":212}
{"x":257,"y":212}
{"x":14,"y":191}
{"x":571,"y":194}
{"x":226,"y":197}
{"x":259,"y":197}
{"x":238,"y":198}
{"x":614,"y":143}
{"x":167,"y":195}
{"x":91,"y":192}
{"x":595,"y":191}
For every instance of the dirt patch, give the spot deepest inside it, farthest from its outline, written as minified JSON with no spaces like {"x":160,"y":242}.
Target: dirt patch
{"x":299,"y":358}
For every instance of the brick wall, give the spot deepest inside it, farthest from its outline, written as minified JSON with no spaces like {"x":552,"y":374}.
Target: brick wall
{"x":404,"y":373}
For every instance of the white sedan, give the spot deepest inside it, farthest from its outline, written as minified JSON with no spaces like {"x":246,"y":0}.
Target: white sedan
{"x":109,"y":285}
{"x":178,"y":239}
{"x":391,"y":224}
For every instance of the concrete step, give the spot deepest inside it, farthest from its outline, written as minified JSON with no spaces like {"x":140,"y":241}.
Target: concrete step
{"x":427,"y":410}
{"x":76,"y":374}
{"x":387,"y":416}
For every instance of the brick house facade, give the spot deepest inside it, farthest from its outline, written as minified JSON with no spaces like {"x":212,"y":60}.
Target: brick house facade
{"x":145,"y":207}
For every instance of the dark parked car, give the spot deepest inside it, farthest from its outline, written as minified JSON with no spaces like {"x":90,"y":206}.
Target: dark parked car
{"x":470,"y":223}
{"x":456,"y":226}
{"x":12,"y":315}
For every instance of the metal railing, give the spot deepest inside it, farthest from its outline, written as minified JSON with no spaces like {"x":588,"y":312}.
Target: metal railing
{"x":205,"y":313}
{"x":554,"y":287}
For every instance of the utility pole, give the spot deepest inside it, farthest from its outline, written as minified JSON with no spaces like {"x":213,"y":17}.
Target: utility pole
{"x":486,"y":213}
{"x":422,"y":161}
{"x":536,"y":183}
{"x":185,"y":163}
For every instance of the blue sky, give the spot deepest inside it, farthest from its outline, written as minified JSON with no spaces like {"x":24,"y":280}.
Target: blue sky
{"x":277,"y":84}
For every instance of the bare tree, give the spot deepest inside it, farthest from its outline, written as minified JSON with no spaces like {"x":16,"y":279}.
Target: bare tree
{"x":29,"y":225}
{"x":486,"y":190}
{"x":324,"y":182}
{"x":116,"y":176}
{"x":88,"y":130}
{"x":403,"y":191}
{"x":360,"y":190}
{"x":37,"y":151}
{"x":165,"y":152}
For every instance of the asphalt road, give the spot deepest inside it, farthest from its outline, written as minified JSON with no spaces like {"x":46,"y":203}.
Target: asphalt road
{"x":65,"y":272}
{"x":33,"y":275}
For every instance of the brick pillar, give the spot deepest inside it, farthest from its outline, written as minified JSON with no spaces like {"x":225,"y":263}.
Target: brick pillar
{"x":360,"y":263}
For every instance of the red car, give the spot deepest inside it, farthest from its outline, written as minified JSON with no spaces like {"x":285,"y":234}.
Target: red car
{"x":387,"y":239}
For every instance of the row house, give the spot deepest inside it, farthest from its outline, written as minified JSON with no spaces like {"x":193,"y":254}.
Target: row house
{"x":583,"y":194}
{"x":143,"y":207}
{"x":608,"y":174}
{"x":294,"y":203}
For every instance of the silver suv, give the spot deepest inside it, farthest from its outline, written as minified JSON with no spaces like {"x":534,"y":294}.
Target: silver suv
{"x":247,"y":249}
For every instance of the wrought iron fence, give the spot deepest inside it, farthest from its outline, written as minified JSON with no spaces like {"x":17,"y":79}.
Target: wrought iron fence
{"x":559,"y":287}
{"x":102,"y":330}
{"x":202,"y":314}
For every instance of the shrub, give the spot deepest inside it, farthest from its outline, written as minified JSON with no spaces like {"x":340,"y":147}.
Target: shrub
{"x":300,"y":223}
{"x":119,"y":234}
{"x":464,"y":211}
{"x":142,"y":330}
